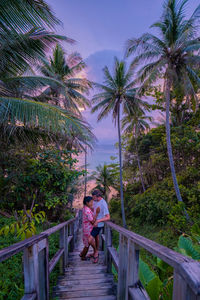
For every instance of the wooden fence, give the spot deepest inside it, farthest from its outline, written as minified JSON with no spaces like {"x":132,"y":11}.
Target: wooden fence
{"x":186,"y":283}
{"x":36,"y":264}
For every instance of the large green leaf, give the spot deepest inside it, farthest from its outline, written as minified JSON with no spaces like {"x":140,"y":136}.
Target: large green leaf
{"x":186,"y":247}
{"x":153,"y":288}
{"x":150,"y":280}
{"x":51,"y":118}
{"x":145,"y":273}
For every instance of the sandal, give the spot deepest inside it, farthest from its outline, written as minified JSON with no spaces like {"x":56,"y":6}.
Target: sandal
{"x":85,"y":258}
{"x":96,"y":259}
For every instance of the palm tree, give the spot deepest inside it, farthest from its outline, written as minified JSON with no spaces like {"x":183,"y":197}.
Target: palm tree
{"x":117,"y":92}
{"x":24,"y":41}
{"x":172,"y":55}
{"x":136,"y":123}
{"x":104,"y":179}
{"x":68,"y":71}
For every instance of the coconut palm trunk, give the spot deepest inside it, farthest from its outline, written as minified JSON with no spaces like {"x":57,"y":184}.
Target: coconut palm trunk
{"x":85,"y":188}
{"x":168,"y":84}
{"x":139,"y":166}
{"x":120,"y":169}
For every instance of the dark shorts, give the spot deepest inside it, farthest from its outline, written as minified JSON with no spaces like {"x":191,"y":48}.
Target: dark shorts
{"x":95,"y":231}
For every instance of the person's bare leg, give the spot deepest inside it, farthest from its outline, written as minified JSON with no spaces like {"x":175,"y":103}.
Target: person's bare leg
{"x":84,"y":252}
{"x":97,"y":242}
{"x":92,"y":242}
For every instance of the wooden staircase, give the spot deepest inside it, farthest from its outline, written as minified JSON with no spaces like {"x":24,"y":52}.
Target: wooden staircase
{"x":84,"y":279}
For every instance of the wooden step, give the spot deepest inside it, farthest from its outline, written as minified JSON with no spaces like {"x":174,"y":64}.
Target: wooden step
{"x":108,"y":297}
{"x":85,"y":281}
{"x":86,"y":293}
{"x":83,"y":287}
{"x":83,"y":277}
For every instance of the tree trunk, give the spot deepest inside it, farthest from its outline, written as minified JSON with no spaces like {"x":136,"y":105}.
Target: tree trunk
{"x":120,"y":168}
{"x":139,"y":166}
{"x":85,"y":189}
{"x":169,"y":146}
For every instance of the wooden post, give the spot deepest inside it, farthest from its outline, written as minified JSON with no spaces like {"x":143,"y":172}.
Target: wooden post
{"x":108,"y":243}
{"x":179,"y":287}
{"x":80,"y":218}
{"x":76,"y":226}
{"x":36,"y":270}
{"x":133,"y":266}
{"x":43,"y":263}
{"x":62,"y":246}
{"x":123,"y":264}
{"x":66,"y":246}
{"x":181,"y":290}
{"x":31,"y":281}
{"x":71,"y":230}
{"x":101,"y":243}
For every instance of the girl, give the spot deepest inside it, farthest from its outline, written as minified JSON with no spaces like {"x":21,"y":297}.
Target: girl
{"x":89,"y":219}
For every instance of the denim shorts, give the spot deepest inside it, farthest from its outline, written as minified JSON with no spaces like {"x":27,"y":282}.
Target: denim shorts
{"x":95,"y":231}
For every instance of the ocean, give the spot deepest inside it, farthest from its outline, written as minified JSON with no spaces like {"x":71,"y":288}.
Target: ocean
{"x":101,"y":154}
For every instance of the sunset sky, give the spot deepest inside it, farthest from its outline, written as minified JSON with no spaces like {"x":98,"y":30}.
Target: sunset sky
{"x":101,"y":28}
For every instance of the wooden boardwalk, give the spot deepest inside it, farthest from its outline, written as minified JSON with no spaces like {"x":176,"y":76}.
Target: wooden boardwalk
{"x":85,"y":280}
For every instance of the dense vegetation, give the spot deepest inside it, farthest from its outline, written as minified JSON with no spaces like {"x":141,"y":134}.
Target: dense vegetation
{"x":42,"y":131}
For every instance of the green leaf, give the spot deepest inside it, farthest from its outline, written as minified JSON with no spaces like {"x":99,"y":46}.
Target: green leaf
{"x":186,"y":246}
{"x":153,"y":288}
{"x":145,"y":273}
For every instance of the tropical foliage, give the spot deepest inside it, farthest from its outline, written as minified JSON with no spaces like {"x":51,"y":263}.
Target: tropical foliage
{"x":116,"y":94}
{"x":172,"y":55}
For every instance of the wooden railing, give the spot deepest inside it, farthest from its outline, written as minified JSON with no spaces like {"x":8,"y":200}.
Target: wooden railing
{"x":36,"y":264}
{"x":186,"y":280}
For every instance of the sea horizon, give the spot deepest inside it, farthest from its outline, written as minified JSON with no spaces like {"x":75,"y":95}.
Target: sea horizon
{"x":101,"y":154}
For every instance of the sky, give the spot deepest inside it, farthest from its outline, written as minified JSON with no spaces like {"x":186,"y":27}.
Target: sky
{"x":101,"y":28}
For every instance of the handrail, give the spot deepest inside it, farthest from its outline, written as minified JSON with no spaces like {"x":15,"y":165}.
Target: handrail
{"x":37,"y":266}
{"x":169,"y":256}
{"x":8,"y":252}
{"x":126,"y":262}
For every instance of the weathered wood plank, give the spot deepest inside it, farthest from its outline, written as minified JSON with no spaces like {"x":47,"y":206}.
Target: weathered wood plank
{"x":58,"y":227}
{"x":79,"y":276}
{"x":86,"y":293}
{"x":70,"y":237}
{"x":123,"y":264}
{"x":133,"y":266}
{"x":108,"y":297}
{"x":55,"y":259}
{"x":18,"y":247}
{"x":191,"y":273}
{"x":83,"y":287}
{"x":169,"y":256}
{"x":62,"y":246}
{"x":66,"y":246}
{"x":108,"y":243}
{"x":31,"y":272}
{"x":29,"y":297}
{"x":88,"y":281}
{"x":103,"y":236}
{"x":115,"y":257}
{"x":138,"y":294}
{"x":179,"y":287}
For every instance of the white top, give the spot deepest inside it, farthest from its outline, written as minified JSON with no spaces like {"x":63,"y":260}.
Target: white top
{"x":103,"y":210}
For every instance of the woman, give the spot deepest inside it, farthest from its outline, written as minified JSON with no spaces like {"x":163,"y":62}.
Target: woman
{"x":89,"y":219}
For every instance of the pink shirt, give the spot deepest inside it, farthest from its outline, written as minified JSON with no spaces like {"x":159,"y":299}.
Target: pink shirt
{"x":88,"y":216}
